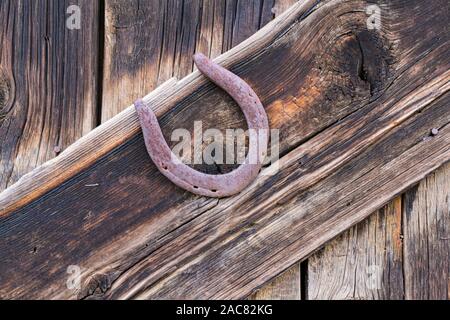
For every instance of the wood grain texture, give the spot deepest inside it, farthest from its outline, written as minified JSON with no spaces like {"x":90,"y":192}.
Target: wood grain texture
{"x":426,"y":224}
{"x":137,"y":61}
{"x":352,"y":124}
{"x":363,"y":263}
{"x":132,"y":60}
{"x":238,"y":258}
{"x":213,"y":26}
{"x":78,"y":156}
{"x":286,"y":286}
{"x":48,"y":81}
{"x":342,"y":270}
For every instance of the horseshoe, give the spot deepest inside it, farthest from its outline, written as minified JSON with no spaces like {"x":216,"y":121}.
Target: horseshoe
{"x":216,"y":186}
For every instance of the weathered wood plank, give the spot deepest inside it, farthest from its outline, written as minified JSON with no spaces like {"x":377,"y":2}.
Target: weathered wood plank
{"x":222,"y":24}
{"x":363,"y":263}
{"x":286,"y":286}
{"x":329,"y":272}
{"x":85,"y":152}
{"x":210,"y":27}
{"x":123,"y":224}
{"x":426,"y":224}
{"x":137,"y":61}
{"x":48,"y":81}
{"x":244,"y":256}
{"x":140,"y":49}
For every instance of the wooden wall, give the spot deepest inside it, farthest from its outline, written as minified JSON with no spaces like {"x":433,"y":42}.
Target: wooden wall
{"x":58,"y":84}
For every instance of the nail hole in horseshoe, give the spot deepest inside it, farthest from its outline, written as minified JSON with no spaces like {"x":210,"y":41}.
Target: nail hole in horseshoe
{"x":195,"y":187}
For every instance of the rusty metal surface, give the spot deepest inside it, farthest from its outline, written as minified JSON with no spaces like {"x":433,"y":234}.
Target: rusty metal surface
{"x":197,"y":182}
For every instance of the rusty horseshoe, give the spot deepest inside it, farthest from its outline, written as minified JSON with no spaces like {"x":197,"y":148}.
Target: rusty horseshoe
{"x":216,"y":186}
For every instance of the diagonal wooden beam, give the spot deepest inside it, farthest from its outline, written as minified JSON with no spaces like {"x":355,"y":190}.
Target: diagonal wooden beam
{"x":354,"y":108}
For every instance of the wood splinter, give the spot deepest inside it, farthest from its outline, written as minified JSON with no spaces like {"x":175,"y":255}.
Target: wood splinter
{"x":217,"y":186}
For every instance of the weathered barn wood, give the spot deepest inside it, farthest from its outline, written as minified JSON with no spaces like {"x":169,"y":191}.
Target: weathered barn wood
{"x":350,"y":73}
{"x":343,"y":270}
{"x":167,"y":50}
{"x":363,"y":263}
{"x":47,"y":100}
{"x":286,"y":286}
{"x":220,"y":26}
{"x":337,"y":273}
{"x":401,"y":252}
{"x":427,"y":238}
